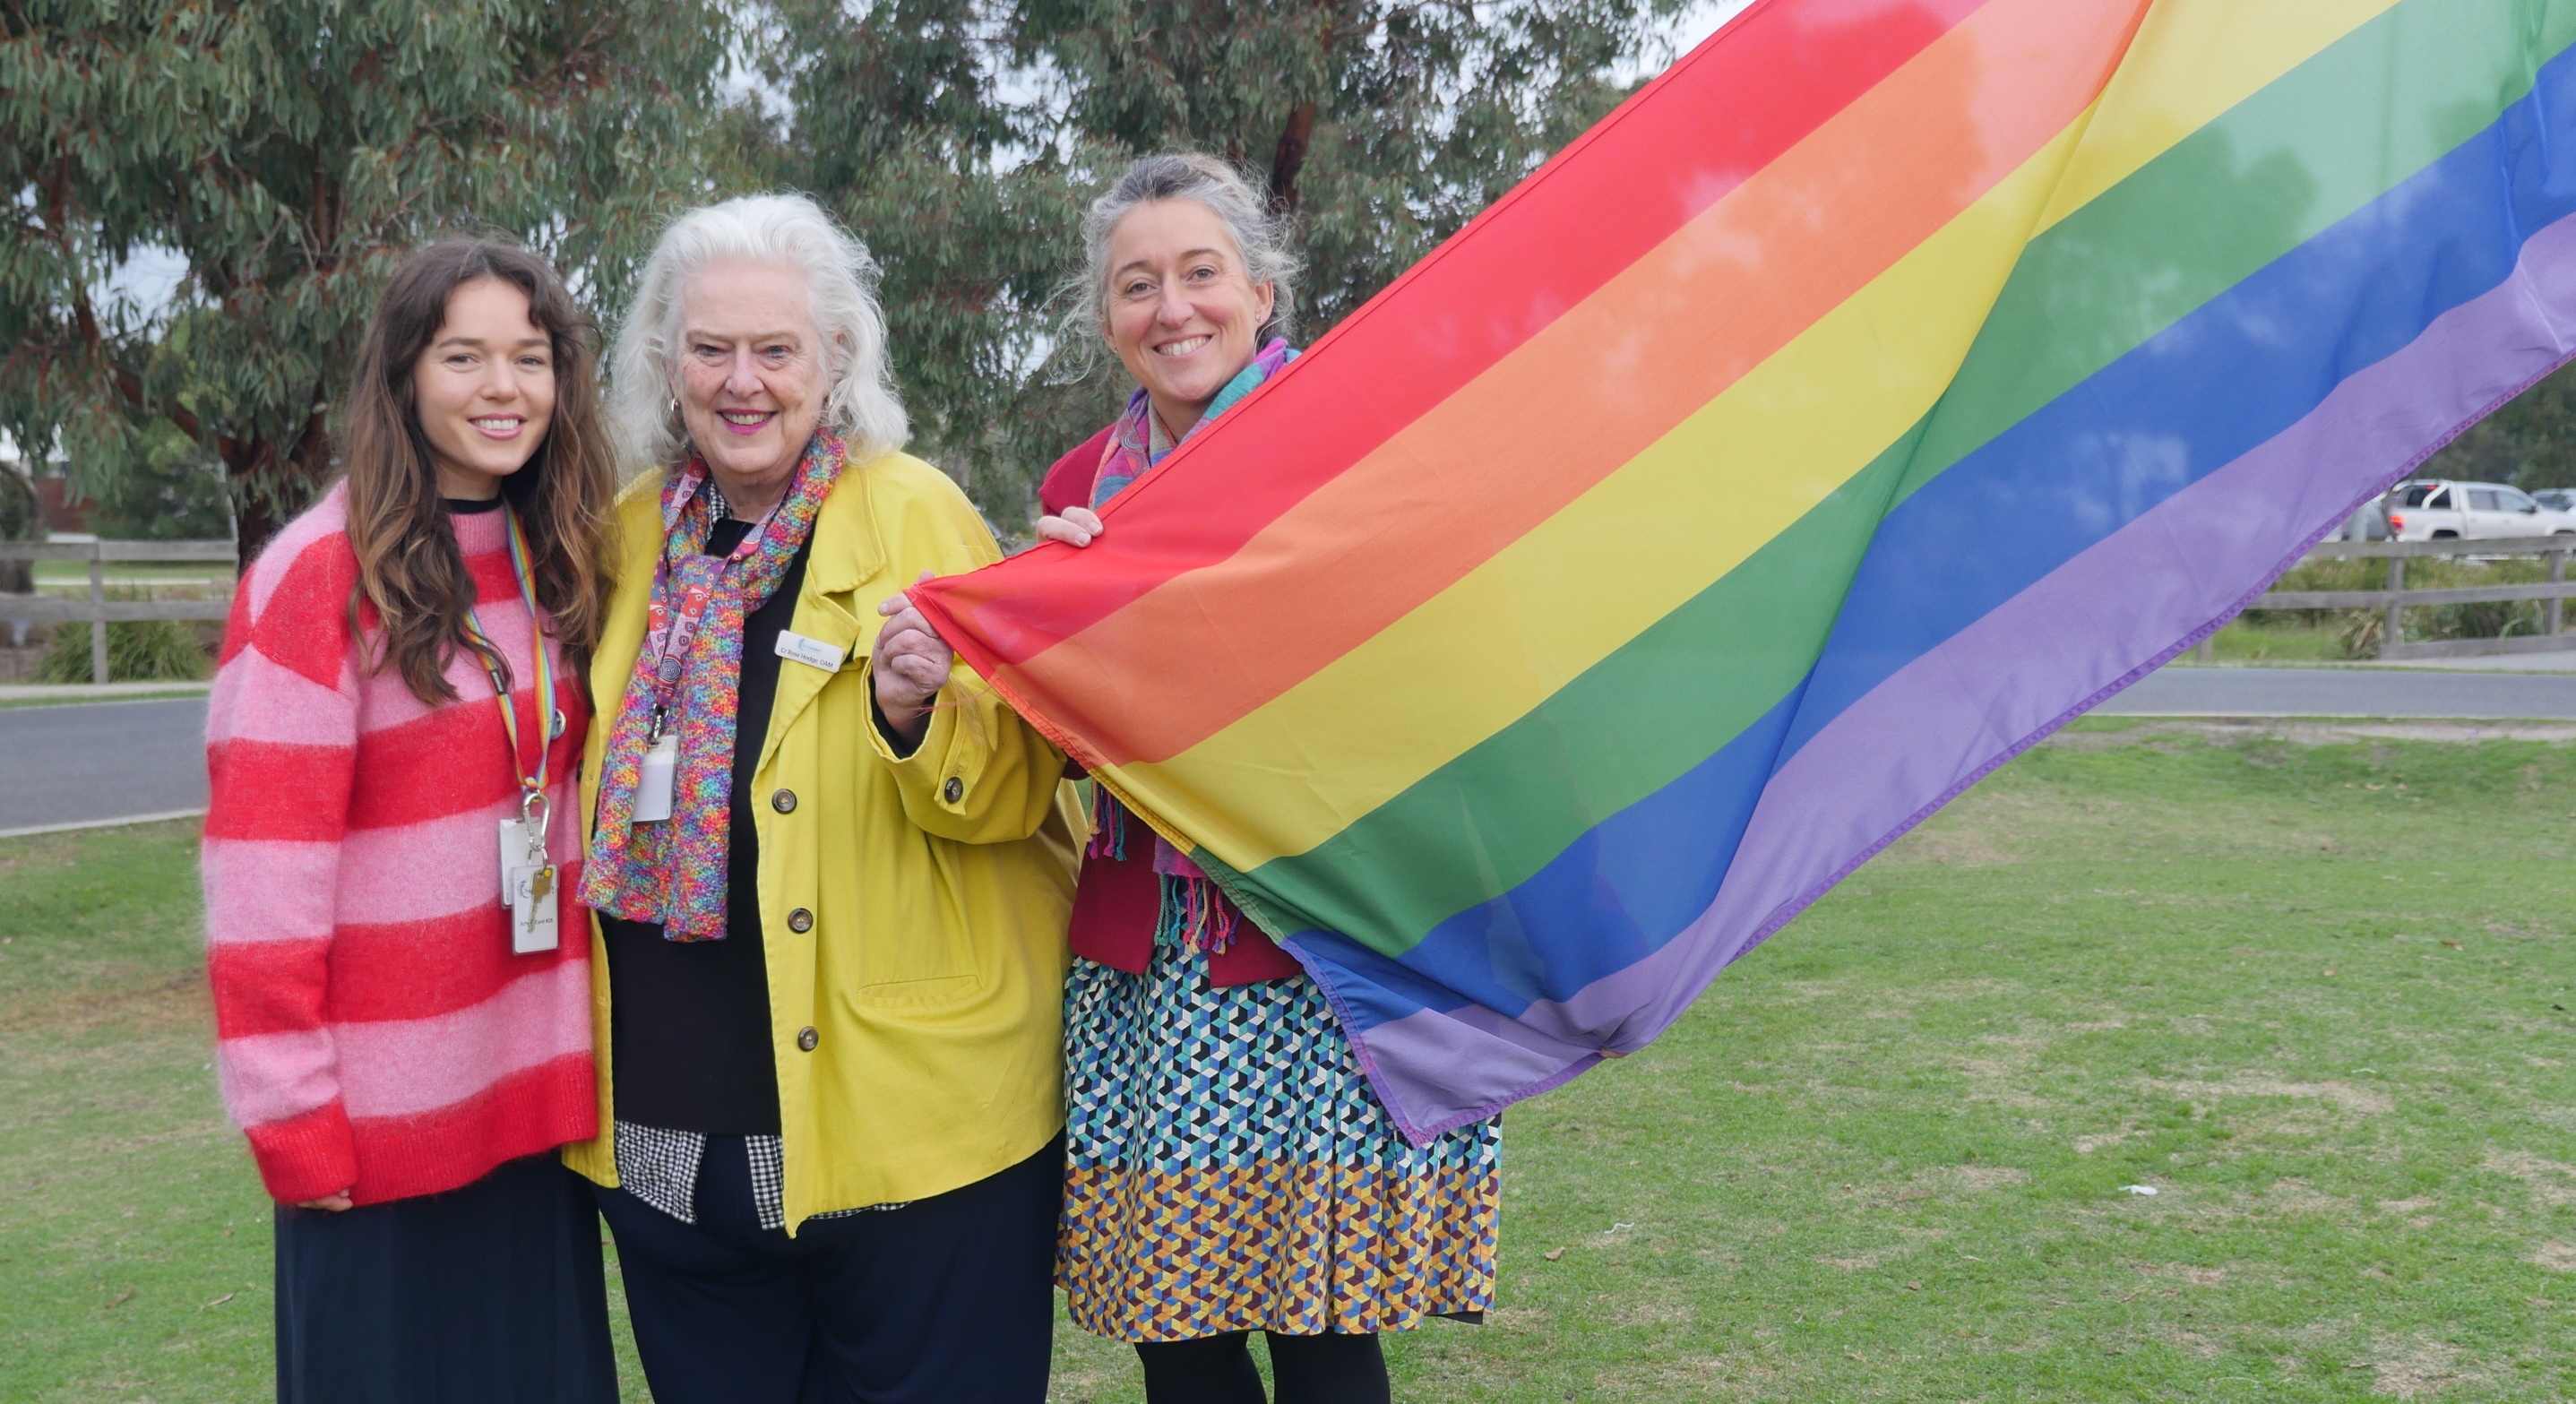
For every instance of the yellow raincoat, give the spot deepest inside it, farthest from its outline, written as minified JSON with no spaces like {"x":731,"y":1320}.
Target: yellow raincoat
{"x":929,"y":981}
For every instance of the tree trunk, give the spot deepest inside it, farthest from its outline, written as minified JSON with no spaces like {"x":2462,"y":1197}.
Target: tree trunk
{"x":1291,"y":157}
{"x":257,"y":472}
{"x":254,"y":524}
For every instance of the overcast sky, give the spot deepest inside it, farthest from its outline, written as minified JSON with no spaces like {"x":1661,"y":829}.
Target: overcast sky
{"x":1704,"y":18}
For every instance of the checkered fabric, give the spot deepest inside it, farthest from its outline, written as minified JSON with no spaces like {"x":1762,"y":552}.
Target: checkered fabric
{"x":1228,"y":1168}
{"x":660,"y":1167}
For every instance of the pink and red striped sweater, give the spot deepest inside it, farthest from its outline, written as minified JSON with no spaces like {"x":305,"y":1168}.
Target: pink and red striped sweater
{"x":375,"y":1034}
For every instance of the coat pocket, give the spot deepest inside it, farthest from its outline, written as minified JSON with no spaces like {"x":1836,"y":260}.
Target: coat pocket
{"x":919,"y":994}
{"x":926,"y":953}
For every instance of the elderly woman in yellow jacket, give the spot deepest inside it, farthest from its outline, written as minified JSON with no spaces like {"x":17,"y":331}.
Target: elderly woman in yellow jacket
{"x":830,"y":880}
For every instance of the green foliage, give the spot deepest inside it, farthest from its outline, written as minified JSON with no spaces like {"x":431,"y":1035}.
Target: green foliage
{"x":899,"y":127}
{"x":138,"y":650}
{"x":287,"y":155}
{"x":962,"y":139}
{"x":2241,"y":642}
{"x":2530,"y":443}
{"x":291,"y":154}
{"x":2361,"y":629}
{"x":171,"y":492}
{"x":1384,"y":126}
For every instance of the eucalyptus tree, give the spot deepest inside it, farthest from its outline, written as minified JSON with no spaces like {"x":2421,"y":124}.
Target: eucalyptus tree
{"x":962,"y":138}
{"x":283,"y":155}
{"x":2530,"y":443}
{"x":903,"y":122}
{"x":1383,"y":125}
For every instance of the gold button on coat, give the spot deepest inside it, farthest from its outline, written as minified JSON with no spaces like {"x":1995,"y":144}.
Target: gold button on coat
{"x":800,"y":921}
{"x":806,"y":1038}
{"x":784,"y":801}
{"x":954,"y":788}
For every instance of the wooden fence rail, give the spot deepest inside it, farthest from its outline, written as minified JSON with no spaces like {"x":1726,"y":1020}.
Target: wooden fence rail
{"x":2395,"y":599}
{"x":98,"y":609}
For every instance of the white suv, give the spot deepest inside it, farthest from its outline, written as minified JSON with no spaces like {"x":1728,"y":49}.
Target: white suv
{"x":2435,"y":509}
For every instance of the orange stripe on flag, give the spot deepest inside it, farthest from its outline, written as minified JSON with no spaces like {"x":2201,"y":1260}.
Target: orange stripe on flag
{"x":1604,"y":381}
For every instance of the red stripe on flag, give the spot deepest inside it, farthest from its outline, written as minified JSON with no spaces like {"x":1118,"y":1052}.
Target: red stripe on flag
{"x":1594,"y":209}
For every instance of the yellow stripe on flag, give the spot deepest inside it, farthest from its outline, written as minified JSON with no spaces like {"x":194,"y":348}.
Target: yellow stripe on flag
{"x":2191,"y":61}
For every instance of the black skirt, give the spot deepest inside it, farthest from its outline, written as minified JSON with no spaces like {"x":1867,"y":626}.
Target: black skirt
{"x":491,"y":1294}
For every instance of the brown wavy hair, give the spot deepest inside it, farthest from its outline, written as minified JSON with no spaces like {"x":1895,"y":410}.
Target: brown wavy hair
{"x":408,"y":564}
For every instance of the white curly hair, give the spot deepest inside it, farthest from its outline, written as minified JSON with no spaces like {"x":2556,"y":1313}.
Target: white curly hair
{"x":840,"y":278}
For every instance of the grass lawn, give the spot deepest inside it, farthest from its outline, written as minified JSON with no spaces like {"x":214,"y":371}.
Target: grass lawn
{"x":2310,"y":994}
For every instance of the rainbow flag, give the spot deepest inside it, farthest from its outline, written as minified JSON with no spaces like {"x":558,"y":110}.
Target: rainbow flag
{"x":1879,"y":388}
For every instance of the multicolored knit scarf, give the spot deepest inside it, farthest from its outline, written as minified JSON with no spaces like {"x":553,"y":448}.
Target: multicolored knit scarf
{"x":673,"y":872}
{"x":1141,"y":441}
{"x":1191,"y":903}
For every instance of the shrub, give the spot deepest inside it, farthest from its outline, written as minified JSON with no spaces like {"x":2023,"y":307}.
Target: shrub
{"x":2361,"y":628}
{"x":141,"y":650}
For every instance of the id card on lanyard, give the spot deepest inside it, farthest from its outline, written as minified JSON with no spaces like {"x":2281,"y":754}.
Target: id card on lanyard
{"x":528,"y":875}
{"x":669,"y":626}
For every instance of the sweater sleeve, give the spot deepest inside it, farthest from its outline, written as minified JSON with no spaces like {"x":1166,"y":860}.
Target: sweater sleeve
{"x":281,"y":742}
{"x":1068,"y":482}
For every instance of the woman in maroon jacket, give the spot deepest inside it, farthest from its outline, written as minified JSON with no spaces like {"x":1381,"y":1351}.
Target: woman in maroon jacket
{"x":1228,"y":1168}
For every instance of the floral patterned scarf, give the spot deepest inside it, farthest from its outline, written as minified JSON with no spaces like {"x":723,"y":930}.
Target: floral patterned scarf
{"x":673,"y":872}
{"x":1193,"y":904}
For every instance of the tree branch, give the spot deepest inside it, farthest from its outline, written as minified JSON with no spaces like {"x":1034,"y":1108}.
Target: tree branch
{"x":129,"y":386}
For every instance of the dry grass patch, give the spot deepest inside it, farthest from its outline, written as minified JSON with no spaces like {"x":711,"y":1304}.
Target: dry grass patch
{"x":2418,"y":1369}
{"x":2361,"y":1101}
{"x":2551,"y":1182}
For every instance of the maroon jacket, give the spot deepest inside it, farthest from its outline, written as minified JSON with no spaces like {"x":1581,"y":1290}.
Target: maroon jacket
{"x":1119,"y":901}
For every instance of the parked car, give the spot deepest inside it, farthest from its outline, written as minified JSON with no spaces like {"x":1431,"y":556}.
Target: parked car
{"x":2556,"y":499}
{"x":2437,"y":509}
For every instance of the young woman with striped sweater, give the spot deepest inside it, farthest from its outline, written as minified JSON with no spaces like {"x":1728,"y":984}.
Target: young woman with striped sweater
{"x":402,"y":986}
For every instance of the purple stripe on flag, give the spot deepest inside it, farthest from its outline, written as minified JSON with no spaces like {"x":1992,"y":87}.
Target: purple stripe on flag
{"x":2125,"y":606}
{"x":1485,"y":1062}
{"x":2080,"y":634}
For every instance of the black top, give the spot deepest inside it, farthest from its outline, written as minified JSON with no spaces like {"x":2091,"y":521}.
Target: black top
{"x":689,"y":1022}
{"x":471,"y":506}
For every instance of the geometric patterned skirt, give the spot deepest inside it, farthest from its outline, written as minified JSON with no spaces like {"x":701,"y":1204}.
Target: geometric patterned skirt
{"x":1229,"y":1169}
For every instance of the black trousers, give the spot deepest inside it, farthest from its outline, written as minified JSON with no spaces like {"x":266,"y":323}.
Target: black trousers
{"x":490,"y":1294}
{"x":948,"y":1300}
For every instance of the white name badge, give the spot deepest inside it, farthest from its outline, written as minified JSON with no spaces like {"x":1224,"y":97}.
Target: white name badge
{"x":653,"y":783}
{"x":813,"y":653}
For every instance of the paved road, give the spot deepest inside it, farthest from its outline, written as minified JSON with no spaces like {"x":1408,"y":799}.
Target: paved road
{"x":2346,"y":692}
{"x":101,"y":760}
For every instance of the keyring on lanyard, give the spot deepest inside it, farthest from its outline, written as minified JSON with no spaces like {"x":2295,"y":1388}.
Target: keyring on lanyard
{"x":668,"y":631}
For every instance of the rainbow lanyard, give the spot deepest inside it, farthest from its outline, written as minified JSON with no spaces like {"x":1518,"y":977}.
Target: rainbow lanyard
{"x":532,"y":786}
